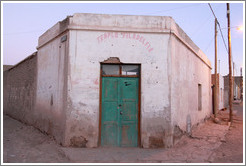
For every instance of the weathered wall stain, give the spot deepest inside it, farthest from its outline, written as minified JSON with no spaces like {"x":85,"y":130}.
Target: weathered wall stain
{"x":126,"y":35}
{"x":96,"y":82}
{"x":79,"y":142}
{"x":156,"y":142}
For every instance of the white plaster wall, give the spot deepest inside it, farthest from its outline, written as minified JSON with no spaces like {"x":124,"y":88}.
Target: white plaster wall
{"x":221,"y":92}
{"x":187,"y":72}
{"x":68,"y":76}
{"x":169,"y":69}
{"x":87,"y":50}
{"x":50,"y":88}
{"x":107,"y":22}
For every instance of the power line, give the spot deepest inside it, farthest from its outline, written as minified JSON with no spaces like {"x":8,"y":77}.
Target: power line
{"x":219,"y":27}
{"x":209,"y":43}
{"x":212,"y":10}
{"x":200,"y":27}
{"x":222,"y":37}
{"x":221,"y":33}
{"x":161,"y":11}
{"x":232,"y":27}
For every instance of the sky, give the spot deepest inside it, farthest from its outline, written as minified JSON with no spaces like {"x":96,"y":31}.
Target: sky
{"x":23,"y":23}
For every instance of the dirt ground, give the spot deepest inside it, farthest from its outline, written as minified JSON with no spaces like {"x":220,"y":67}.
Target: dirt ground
{"x":25,"y":144}
{"x":231,"y":150}
{"x":209,"y":143}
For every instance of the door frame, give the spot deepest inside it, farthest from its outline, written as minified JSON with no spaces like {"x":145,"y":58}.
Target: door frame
{"x":139,"y":97}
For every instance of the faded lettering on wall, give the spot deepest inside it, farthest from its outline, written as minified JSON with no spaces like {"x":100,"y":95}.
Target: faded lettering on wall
{"x":125,"y":35}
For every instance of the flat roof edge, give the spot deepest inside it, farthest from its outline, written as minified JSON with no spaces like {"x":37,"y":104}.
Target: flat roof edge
{"x":196,"y":51}
{"x":123,"y":23}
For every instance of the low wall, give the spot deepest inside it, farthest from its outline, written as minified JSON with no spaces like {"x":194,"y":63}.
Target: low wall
{"x":28,"y":85}
{"x":19,"y":89}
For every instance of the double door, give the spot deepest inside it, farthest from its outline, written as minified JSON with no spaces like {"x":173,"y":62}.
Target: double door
{"x":119,"y":111}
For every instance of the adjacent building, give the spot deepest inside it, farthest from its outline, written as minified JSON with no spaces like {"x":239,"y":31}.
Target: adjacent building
{"x":237,"y":83}
{"x":220,"y":91}
{"x":6,"y":67}
{"x":112,"y":80}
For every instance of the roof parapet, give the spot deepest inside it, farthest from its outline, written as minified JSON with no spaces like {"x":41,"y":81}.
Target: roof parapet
{"x":122,"y":23}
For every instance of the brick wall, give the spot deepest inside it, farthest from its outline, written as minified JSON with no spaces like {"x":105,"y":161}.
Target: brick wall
{"x":19,"y":89}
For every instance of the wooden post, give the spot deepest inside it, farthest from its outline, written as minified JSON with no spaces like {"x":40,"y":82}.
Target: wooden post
{"x":215,"y":73}
{"x":233,"y":77}
{"x":229,"y":57}
{"x":219,"y":66}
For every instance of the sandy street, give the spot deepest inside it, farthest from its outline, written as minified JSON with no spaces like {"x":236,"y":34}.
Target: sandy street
{"x":209,"y":143}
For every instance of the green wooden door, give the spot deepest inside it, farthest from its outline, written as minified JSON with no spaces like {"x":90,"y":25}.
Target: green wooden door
{"x":119,"y":123}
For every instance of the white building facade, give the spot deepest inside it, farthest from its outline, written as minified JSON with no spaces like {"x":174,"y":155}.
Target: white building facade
{"x":117,"y":80}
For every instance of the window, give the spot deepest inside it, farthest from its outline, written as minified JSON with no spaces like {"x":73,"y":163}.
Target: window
{"x":130,"y":70}
{"x":199,"y":97}
{"x":120,"y":70}
{"x":110,"y":70}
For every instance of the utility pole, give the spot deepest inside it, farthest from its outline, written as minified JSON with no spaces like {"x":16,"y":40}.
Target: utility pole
{"x":233,"y":77}
{"x":219,"y":66}
{"x":229,"y":57}
{"x":215,"y":72}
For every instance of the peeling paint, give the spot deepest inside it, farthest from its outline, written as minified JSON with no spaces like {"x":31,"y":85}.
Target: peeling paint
{"x":79,"y":142}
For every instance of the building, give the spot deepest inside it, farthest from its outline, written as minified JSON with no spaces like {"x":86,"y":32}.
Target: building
{"x":220,"y":85}
{"x":238,"y":87}
{"x":112,"y":80}
{"x":6,"y":67}
{"x":237,"y":82}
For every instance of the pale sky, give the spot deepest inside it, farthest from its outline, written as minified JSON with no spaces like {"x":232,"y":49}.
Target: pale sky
{"x":22,"y":24}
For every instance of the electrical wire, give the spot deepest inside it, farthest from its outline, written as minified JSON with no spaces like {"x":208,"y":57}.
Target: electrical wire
{"x":223,"y":38}
{"x":200,"y":27}
{"x":209,"y":43}
{"x":222,"y":35}
{"x":219,"y":28}
{"x":211,"y":10}
{"x":161,"y":11}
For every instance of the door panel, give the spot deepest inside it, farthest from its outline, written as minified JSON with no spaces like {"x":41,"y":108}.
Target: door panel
{"x":129,"y":135}
{"x":109,"y":134}
{"x":110,"y":85}
{"x":129,"y":88}
{"x":129,"y":111}
{"x":128,"y":121}
{"x":119,"y":111}
{"x":109,"y":117}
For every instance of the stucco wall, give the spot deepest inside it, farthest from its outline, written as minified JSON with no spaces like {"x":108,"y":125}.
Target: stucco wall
{"x":50,"y":101}
{"x":68,"y":77}
{"x":238,"y":82}
{"x":86,"y":52}
{"x":19,"y":90}
{"x":94,"y":38}
{"x":226,"y":91}
{"x":221,"y":92}
{"x":187,"y":72}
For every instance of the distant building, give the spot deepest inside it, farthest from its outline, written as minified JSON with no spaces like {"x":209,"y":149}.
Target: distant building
{"x":237,"y":88}
{"x":112,"y":80}
{"x":220,"y":85}
{"x":6,"y":67}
